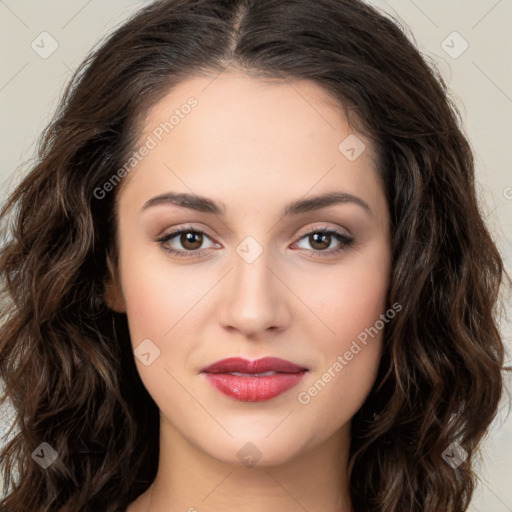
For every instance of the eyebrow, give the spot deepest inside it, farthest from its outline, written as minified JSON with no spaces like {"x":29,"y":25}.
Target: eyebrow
{"x":206,"y":205}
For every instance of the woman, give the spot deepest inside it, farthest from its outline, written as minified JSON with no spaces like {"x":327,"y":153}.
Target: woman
{"x":329,"y":339}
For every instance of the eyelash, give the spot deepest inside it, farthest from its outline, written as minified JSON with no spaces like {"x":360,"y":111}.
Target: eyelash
{"x":346,"y":241}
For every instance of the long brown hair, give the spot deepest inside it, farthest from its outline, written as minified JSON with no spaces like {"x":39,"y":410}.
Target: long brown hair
{"x":66,"y":358}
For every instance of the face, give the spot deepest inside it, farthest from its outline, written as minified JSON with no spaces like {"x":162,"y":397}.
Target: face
{"x":245,"y":279}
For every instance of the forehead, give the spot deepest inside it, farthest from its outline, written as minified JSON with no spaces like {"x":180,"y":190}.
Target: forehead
{"x":245,"y":108}
{"x":237,"y":132}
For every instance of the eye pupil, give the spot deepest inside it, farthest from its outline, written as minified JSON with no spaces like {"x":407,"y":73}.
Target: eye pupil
{"x":316,"y":236}
{"x":188,"y":238}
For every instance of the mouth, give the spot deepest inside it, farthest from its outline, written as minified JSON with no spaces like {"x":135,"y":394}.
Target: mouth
{"x":253,"y":381}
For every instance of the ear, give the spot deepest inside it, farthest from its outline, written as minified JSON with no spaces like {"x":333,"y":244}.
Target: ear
{"x":113,"y":296}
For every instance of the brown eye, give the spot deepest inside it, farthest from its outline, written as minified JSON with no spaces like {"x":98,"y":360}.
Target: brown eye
{"x":184,"y":242}
{"x":191,"y":240}
{"x":320,"y":241}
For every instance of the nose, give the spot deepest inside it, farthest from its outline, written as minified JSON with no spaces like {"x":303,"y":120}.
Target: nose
{"x":255,"y":299}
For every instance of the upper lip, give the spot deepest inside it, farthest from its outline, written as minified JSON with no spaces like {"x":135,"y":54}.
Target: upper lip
{"x":266,"y":364}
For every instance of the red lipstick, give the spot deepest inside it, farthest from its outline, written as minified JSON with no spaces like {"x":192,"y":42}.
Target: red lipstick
{"x":253,"y":381}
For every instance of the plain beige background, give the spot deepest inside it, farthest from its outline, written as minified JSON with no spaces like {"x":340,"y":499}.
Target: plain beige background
{"x":474,"y":61}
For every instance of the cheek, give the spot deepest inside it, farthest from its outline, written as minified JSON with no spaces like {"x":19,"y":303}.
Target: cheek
{"x":354,"y":304}
{"x":351,"y":304}
{"x":331,"y":397}
{"x":159,"y":303}
{"x":350,"y":297}
{"x":157,"y":294}
{"x":348,"y":366}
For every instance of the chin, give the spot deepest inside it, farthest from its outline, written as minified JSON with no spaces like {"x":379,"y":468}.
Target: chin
{"x":257,"y":450}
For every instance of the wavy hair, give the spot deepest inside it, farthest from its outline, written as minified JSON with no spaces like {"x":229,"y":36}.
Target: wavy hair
{"x":65,"y":356}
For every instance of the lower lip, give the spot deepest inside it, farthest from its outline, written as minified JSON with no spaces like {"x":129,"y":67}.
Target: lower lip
{"x":253,"y":389}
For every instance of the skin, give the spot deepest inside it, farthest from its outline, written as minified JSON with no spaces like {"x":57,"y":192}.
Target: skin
{"x":255,"y":146}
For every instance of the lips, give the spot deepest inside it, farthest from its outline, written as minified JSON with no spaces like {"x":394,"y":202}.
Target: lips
{"x":253,"y":381}
{"x":267,"y":364}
